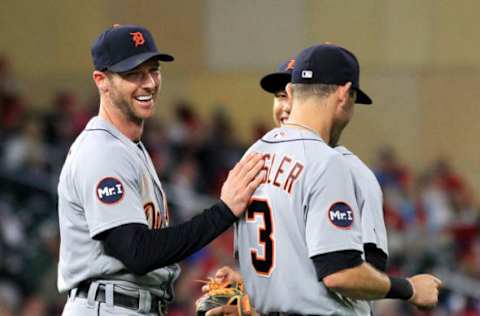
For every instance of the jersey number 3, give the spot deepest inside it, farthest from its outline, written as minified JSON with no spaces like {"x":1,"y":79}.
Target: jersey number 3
{"x":262,"y":264}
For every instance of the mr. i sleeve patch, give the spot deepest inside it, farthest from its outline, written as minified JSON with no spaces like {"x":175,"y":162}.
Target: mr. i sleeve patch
{"x":340,"y":214}
{"x":109,"y":190}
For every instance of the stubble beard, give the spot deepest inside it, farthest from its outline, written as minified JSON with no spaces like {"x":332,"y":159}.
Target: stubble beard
{"x":127,"y":109}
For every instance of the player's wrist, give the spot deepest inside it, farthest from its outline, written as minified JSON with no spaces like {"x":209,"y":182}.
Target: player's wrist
{"x":400,"y":288}
{"x":227,"y":210}
{"x":412,"y":298}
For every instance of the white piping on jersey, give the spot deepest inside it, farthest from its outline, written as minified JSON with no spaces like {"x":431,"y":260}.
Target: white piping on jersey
{"x":303,"y":126}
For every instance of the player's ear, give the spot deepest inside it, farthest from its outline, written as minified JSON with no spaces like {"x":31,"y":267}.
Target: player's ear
{"x":289,"y":90}
{"x":342,"y":92}
{"x":101,"y":80}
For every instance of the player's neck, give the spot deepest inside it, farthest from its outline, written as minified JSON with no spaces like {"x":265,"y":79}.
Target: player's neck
{"x":132,"y":130}
{"x":313,"y":118}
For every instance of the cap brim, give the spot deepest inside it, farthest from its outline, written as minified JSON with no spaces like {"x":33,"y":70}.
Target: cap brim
{"x":362,"y":97}
{"x":134,"y":61}
{"x":275,"y":82}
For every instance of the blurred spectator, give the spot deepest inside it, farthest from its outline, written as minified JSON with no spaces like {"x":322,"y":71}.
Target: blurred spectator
{"x":435,"y":203}
{"x":182,"y":189}
{"x":34,"y":306}
{"x":187,"y":131}
{"x":12,"y":104}
{"x":10,"y":298}
{"x":26,"y":150}
{"x":389,"y":171}
{"x":220,"y":152}
{"x":396,"y":182}
{"x":156,"y":140}
{"x":454,"y":186}
{"x":12,"y":110}
{"x":470,"y":259}
{"x":62,"y":123}
{"x":8,"y":84}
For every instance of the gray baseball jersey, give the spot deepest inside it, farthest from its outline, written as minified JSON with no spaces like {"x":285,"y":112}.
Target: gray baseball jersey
{"x":369,"y":200}
{"x":107,"y":181}
{"x":305,"y":207}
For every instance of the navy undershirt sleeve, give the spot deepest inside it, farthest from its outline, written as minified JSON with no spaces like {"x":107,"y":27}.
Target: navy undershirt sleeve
{"x":375,"y":256}
{"x":331,"y":262}
{"x":143,"y":250}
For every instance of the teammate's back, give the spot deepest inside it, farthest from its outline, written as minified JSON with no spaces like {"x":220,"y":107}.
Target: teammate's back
{"x":288,"y":223}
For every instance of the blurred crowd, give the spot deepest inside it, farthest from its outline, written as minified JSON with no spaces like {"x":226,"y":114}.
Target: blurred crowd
{"x":432,"y":216}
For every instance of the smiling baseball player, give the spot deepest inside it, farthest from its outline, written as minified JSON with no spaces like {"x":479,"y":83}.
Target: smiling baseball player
{"x":118,"y":253}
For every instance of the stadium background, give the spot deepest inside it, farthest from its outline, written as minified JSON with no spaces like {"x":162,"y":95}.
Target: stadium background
{"x":420,"y":63}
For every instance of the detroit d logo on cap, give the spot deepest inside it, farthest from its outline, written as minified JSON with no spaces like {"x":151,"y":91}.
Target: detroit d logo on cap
{"x":340,"y":214}
{"x":109,"y":190}
{"x":137,"y":38}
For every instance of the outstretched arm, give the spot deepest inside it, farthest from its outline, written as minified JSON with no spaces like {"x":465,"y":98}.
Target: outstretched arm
{"x":366,"y":283}
{"x":142,"y":250}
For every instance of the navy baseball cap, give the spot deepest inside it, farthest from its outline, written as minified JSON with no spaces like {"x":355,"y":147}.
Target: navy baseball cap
{"x":329,"y":64}
{"x":276,"y":81}
{"x":124,"y":47}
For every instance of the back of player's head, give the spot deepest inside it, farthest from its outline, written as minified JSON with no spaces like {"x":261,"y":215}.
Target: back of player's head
{"x":328,"y":64}
{"x":121,"y":48}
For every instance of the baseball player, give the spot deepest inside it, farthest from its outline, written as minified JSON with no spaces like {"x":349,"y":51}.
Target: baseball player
{"x":367,"y":189}
{"x":117,"y":253}
{"x":300,"y":245}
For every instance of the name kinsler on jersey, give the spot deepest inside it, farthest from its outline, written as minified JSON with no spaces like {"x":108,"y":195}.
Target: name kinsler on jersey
{"x":283,"y":175}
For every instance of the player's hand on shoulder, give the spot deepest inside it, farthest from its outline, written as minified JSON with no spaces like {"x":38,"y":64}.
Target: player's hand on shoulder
{"x":425,"y":290}
{"x":242,"y":181}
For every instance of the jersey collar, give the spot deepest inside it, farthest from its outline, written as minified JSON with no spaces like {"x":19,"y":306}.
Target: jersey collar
{"x":291,"y":133}
{"x":343,"y":150}
{"x":99,"y":123}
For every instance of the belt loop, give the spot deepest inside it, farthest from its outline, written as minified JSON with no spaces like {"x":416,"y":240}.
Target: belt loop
{"x":109,"y":294}
{"x":144,"y":301}
{"x":72,"y":294}
{"x":92,"y":291}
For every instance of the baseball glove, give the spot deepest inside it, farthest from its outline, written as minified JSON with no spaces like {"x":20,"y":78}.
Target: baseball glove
{"x":219,"y":294}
